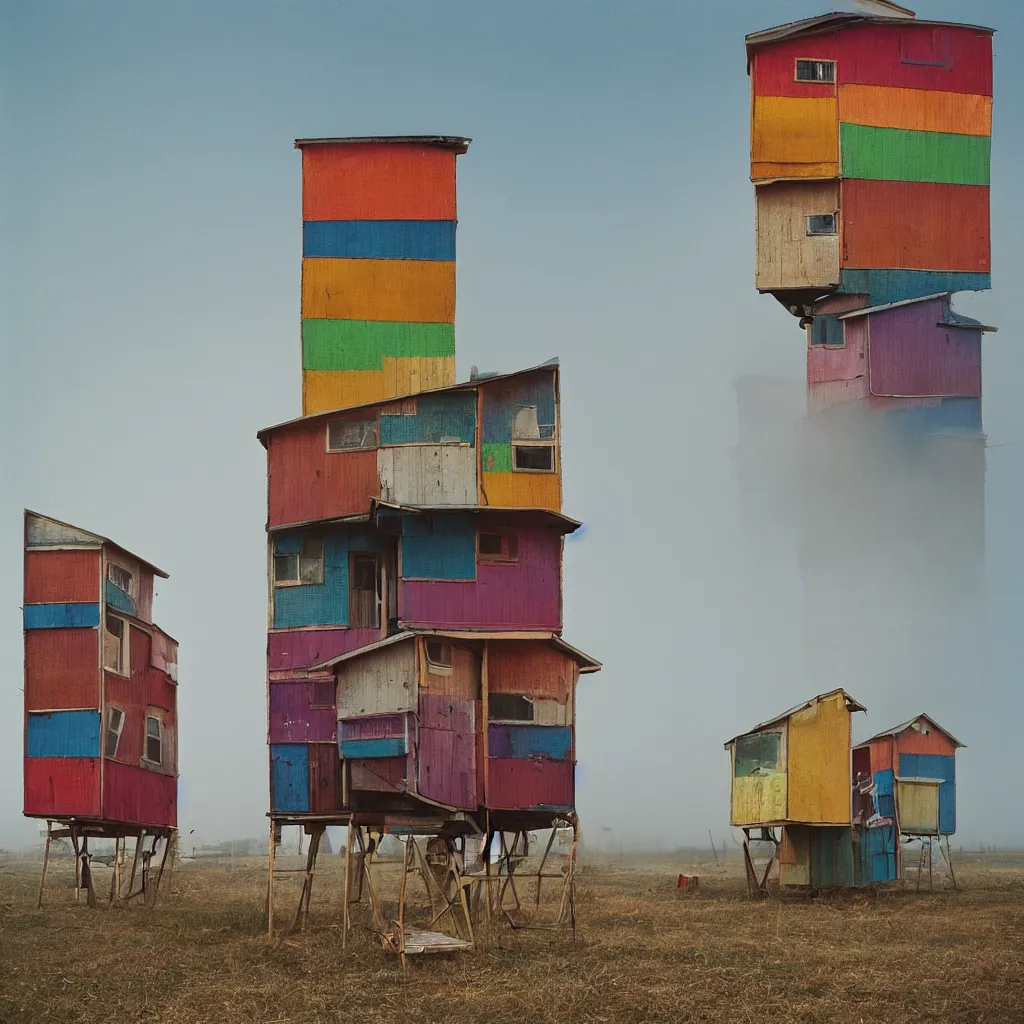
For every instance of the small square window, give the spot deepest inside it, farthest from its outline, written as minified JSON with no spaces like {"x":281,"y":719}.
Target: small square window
{"x":539,"y":458}
{"x":439,"y":656}
{"x":115,"y":723}
{"x":498,"y":547}
{"x":509,"y":707}
{"x":343,"y":435}
{"x":815,"y":70}
{"x":821,"y":224}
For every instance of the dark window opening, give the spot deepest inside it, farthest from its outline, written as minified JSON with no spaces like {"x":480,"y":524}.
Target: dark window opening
{"x":539,"y":457}
{"x":364,"y":592}
{"x":115,"y":645}
{"x":827,"y":331}
{"x":498,"y":547}
{"x":153,"y":745}
{"x":301,"y":567}
{"x":821,"y":224}
{"x":815,"y":70}
{"x":115,"y":723}
{"x":509,"y":707}
{"x":439,"y":655}
{"x":323,"y":694}
{"x":757,"y":754}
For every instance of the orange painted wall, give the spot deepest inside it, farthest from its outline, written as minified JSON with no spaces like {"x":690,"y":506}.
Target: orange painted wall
{"x":923,"y":110}
{"x":794,"y":137}
{"x":378,"y":182}
{"x":915,"y":225}
{"x":61,"y":576}
{"x":532,"y":668}
{"x":62,"y":669}
{"x":522,"y":490}
{"x":912,"y":742}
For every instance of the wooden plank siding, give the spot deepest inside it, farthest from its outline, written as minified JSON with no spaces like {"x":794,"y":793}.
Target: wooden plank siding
{"x":380,"y":682}
{"x":787,"y":257}
{"x":818,"y":759}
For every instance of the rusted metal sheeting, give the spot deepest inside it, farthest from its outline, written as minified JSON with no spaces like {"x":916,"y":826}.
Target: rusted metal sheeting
{"x":137,"y":795}
{"x":531,"y":668}
{"x":381,"y":774}
{"x":305,"y":482}
{"x":446,"y":748}
{"x":379,"y":683}
{"x":911,"y":355}
{"x":324,"y":778}
{"x":61,"y":669}
{"x":62,"y":786}
{"x":297,"y":717}
{"x":525,"y":594}
{"x":300,"y":648}
{"x":59,"y":576}
{"x":516,"y":783}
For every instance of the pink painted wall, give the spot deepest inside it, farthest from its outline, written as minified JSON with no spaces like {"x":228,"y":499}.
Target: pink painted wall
{"x":526,"y":594}
{"x":910,"y":355}
{"x":293,"y":719}
{"x":847,"y":363}
{"x":300,"y":648}
{"x":446,"y":747}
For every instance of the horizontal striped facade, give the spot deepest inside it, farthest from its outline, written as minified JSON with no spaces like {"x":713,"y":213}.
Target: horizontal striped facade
{"x":378,"y":274}
{"x":899,"y":154}
{"x":63,"y":734}
{"x":73,"y":615}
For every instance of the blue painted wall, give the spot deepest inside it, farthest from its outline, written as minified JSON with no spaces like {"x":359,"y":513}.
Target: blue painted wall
{"x":885,"y":803}
{"x":436,"y":416}
{"x":551,"y":741}
{"x":118,"y":600}
{"x":63,"y":734}
{"x":878,"y":850}
{"x":62,"y":616}
{"x":935,"y":766}
{"x":324,"y":604}
{"x":832,"y":859}
{"x":952,"y":417}
{"x":503,"y":400}
{"x":439,"y":547}
{"x":391,"y":746}
{"x":289,"y":772}
{"x":895,"y":285}
{"x":380,"y":239}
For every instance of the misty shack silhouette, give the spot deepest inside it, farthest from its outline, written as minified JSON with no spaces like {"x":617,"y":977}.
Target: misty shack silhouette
{"x":418,"y":682}
{"x":101,"y":694}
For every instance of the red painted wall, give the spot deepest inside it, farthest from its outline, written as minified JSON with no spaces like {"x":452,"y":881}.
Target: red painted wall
{"x":62,"y":786}
{"x":139,"y":796}
{"x":62,"y":669}
{"x":61,"y":576}
{"x":514,"y":782}
{"x":297,"y":649}
{"x":306,"y":482}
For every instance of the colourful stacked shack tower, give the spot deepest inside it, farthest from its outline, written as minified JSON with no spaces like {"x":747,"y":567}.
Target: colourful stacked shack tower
{"x":870,"y":153}
{"x":417,"y":675}
{"x":100,"y":699}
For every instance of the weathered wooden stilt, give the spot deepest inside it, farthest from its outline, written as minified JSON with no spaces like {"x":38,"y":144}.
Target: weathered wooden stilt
{"x":46,"y":861}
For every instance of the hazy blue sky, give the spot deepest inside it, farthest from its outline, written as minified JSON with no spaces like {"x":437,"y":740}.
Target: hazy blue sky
{"x":151,"y":248}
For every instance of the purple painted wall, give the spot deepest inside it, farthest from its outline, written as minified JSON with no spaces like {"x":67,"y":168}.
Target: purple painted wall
{"x":524,"y":595}
{"x":293,"y":719}
{"x":300,"y":648}
{"x":911,"y":355}
{"x":447,"y":747}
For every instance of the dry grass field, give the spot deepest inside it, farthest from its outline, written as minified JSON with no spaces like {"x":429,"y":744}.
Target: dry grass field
{"x":643,"y":952}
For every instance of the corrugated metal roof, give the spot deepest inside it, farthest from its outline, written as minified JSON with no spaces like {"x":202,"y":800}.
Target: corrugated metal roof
{"x":838,"y":19}
{"x":456,"y":142}
{"x":586,"y":663}
{"x":904,"y":726}
{"x":851,"y":705}
{"x":549,"y":516}
{"x":469,"y":385}
{"x":950,"y":320}
{"x":100,"y":540}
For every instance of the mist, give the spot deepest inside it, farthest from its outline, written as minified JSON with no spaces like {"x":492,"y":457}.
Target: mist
{"x":737,"y":558}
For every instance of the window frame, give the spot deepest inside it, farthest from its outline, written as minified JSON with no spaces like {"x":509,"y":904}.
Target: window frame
{"x":124,"y":666}
{"x":362,"y":447}
{"x":797,"y":61}
{"x":314,"y":702}
{"x":504,"y":557}
{"x":780,"y":753}
{"x":551,"y":445}
{"x":353,"y":557}
{"x":298,"y":556}
{"x":808,"y":233}
{"x":491,"y":717}
{"x":146,"y":738}
{"x":438,"y":668}
{"x":130,"y":589}
{"x":108,"y":730}
{"x":817,"y":347}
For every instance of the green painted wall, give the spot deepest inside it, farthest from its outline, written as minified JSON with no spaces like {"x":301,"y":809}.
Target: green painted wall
{"x":363,"y":344}
{"x":497,"y":457}
{"x":896,"y":154}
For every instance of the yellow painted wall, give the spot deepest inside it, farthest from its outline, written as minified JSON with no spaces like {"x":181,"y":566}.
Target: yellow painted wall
{"x":522,"y":490}
{"x":795,"y":856}
{"x":758,"y":799}
{"x":923,"y":110}
{"x":422,"y":291}
{"x":324,"y":390}
{"x":819,"y":763}
{"x":794,"y":137}
{"x":917,"y":806}
{"x":786,"y":256}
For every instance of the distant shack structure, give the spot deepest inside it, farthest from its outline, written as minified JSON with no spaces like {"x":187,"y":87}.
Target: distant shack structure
{"x":793,"y":774}
{"x":418,"y":681}
{"x":101,"y":744}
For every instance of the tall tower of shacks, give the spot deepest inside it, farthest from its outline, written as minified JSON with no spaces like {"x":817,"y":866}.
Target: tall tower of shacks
{"x":417,"y":675}
{"x":870,"y":143}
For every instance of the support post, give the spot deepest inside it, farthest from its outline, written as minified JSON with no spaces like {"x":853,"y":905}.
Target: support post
{"x":270,"y":884}
{"x":46,"y":861}
{"x":346,"y":915}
